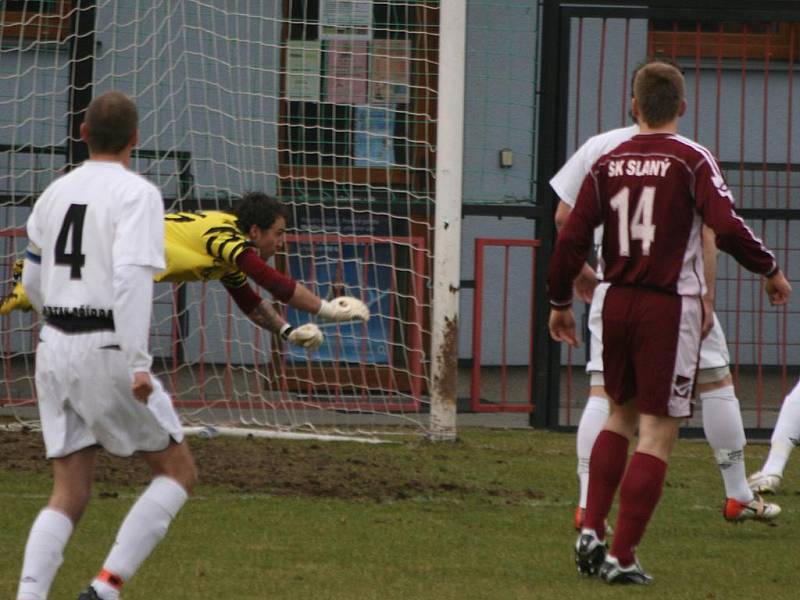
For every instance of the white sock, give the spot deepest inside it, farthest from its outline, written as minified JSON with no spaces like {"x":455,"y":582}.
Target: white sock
{"x":44,"y":553}
{"x":144,"y":527}
{"x":592,"y":421}
{"x":786,"y":434}
{"x":722,"y":424}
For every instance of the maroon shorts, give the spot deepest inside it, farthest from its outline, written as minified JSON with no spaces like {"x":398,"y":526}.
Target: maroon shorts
{"x":651,"y":347}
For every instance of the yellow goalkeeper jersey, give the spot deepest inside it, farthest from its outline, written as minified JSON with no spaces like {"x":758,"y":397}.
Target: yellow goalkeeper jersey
{"x":201,"y":246}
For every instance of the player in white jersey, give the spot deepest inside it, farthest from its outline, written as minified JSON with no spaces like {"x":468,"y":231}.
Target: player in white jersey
{"x":722,"y":419}
{"x":96,"y":238}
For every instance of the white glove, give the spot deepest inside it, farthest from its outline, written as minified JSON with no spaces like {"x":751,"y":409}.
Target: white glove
{"x":307,"y":336}
{"x":344,"y":308}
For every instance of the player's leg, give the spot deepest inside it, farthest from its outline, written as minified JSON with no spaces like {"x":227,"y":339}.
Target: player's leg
{"x":607,"y":466}
{"x":70,"y":444}
{"x":609,"y":454}
{"x":722,"y":423}
{"x":149,"y":518}
{"x":595,"y":414}
{"x":724,"y":430}
{"x":641,"y":487}
{"x":639,"y":494}
{"x":785,"y":437}
{"x":610,"y":451}
{"x":722,"y":418}
{"x":123,"y":426}
{"x":608,"y":463}
{"x":592,"y":421}
{"x":665,"y":346}
{"x":72,"y":485}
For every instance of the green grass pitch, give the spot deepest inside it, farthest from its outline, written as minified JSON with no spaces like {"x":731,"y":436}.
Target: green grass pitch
{"x":487,"y":517}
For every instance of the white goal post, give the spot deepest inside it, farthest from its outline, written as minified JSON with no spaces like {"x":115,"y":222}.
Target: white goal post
{"x":349,"y":111}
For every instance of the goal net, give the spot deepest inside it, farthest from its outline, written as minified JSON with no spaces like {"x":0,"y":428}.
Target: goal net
{"x":330,"y":105}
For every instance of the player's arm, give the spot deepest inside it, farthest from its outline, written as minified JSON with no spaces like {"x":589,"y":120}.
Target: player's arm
{"x":562,"y":214}
{"x":710,"y":273}
{"x":295,"y":294}
{"x":262,"y":313}
{"x":133,"y":299}
{"x":137,"y":255}
{"x":257,"y":310}
{"x":715,"y":203}
{"x":266,"y":317}
{"x":567,"y":185}
{"x":586,"y":281}
{"x":282,"y":287}
{"x":573,"y":244}
{"x":572,"y":247}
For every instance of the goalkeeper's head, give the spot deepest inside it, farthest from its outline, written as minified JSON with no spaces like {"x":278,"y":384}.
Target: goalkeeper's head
{"x":262,"y":219}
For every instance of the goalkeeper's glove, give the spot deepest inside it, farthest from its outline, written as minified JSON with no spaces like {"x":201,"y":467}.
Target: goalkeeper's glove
{"x":344,"y":308}
{"x":17,"y":299}
{"x":307,"y":336}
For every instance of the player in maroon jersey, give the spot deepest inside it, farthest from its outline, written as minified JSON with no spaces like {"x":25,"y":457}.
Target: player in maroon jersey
{"x":652,"y":194}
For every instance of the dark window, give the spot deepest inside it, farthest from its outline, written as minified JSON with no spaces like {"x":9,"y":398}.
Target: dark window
{"x":30,"y":20}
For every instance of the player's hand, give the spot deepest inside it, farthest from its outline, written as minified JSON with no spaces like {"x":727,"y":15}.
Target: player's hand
{"x":585,"y":283}
{"x":142,"y":386}
{"x":16,"y":270}
{"x":16,"y":300}
{"x":562,"y":326}
{"x":708,"y":317}
{"x":778,"y":289}
{"x":344,"y":308}
{"x":307,"y":336}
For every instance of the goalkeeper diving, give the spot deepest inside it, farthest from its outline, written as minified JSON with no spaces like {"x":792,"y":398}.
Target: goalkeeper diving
{"x":232,"y":246}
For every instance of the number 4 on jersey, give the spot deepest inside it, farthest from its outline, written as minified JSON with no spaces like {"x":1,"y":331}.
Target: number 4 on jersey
{"x":72,"y":230}
{"x":641,"y":226}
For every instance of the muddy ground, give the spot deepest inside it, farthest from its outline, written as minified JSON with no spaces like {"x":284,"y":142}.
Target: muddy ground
{"x":281,"y":468}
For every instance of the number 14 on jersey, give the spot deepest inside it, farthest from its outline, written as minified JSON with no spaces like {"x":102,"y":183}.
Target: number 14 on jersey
{"x":640,"y":227}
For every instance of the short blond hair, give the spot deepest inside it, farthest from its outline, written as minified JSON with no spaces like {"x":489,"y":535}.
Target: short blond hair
{"x":659,"y":91}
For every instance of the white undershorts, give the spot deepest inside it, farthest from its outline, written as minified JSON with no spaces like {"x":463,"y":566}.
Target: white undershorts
{"x":84,"y":392}
{"x":714,"y":357}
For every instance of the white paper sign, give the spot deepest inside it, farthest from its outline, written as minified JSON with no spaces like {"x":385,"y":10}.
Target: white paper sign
{"x":390,"y":72}
{"x":303,"y":59}
{"x":345,"y":20}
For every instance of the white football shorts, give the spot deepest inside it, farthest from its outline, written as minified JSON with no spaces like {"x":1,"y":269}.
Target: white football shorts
{"x":714,"y":357}
{"x":84,"y":392}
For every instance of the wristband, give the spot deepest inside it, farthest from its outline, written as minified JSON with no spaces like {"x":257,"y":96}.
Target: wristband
{"x":285,"y":331}
{"x":325,"y":310}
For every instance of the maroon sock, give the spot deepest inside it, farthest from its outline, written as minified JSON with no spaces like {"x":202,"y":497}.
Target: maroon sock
{"x":638,"y":496}
{"x":606,"y":466}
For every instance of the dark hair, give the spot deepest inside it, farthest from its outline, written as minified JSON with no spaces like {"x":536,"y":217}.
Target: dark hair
{"x":111,"y":121}
{"x":667,"y":60}
{"x":658,"y":89}
{"x":257,"y":208}
{"x":656,"y":59}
